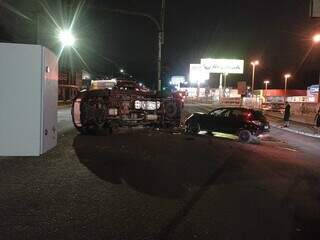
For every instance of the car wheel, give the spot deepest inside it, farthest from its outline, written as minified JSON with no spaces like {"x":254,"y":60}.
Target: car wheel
{"x":193,"y":128}
{"x":245,"y":136}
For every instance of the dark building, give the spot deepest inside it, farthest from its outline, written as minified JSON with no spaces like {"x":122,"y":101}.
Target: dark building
{"x":70,"y":82}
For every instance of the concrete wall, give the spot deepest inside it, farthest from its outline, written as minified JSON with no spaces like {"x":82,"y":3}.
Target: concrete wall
{"x":304,"y":108}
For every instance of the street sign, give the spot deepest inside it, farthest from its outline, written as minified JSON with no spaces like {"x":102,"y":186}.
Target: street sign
{"x":230,"y":66}
{"x":314,"y":89}
{"x":315,"y":8}
{"x":198,"y":74}
{"x":242,"y":88}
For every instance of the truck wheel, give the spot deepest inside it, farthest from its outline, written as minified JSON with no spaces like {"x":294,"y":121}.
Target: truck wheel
{"x":171,"y":110}
{"x":245,"y":136}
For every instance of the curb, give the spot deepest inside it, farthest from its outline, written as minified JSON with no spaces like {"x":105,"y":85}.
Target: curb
{"x":296,"y":131}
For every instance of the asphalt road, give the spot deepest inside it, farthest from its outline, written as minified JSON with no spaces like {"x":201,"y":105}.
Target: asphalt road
{"x":64,"y":120}
{"x":145,"y":184}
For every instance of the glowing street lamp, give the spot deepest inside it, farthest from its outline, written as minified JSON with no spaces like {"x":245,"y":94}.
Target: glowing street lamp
{"x":286,"y":77}
{"x":66,"y":38}
{"x":254,"y":64}
{"x":122,"y":71}
{"x":316,"y":38}
{"x":266,"y":82}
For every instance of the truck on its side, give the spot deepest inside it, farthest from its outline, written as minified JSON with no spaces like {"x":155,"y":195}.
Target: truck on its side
{"x":98,"y":111}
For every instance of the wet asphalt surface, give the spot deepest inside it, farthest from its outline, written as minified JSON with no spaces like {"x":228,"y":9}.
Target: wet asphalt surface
{"x":147,"y":184}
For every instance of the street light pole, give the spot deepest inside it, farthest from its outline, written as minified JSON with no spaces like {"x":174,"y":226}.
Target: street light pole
{"x":161,"y":43}
{"x":319,"y":89}
{"x":253,"y":75}
{"x":286,"y":77}
{"x":225,"y":82}
{"x":159,"y":59}
{"x":316,"y":40}
{"x":160,"y":28}
{"x":254,"y":64}
{"x":266,"y":83}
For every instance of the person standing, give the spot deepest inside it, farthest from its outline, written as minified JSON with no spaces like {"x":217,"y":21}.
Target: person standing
{"x":286,"y":117}
{"x":317,"y":120}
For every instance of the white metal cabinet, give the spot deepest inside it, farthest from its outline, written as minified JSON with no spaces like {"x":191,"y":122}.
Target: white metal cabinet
{"x":28,"y":99}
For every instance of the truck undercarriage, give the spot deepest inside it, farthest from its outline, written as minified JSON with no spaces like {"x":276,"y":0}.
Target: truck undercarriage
{"x":99,"y":111}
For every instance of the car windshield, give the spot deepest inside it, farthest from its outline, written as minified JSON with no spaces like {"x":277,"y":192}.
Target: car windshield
{"x":217,"y":112}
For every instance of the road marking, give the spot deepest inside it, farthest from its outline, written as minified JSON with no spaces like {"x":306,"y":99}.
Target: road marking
{"x":290,"y":149}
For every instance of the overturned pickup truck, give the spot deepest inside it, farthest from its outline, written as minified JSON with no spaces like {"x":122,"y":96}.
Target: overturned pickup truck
{"x":98,"y":111}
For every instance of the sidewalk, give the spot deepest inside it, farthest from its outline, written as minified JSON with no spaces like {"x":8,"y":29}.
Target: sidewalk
{"x":305,"y":119}
{"x":301,"y":126}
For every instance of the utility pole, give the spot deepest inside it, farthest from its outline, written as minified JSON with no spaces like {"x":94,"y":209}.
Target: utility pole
{"x":35,"y":21}
{"x":161,"y":43}
{"x":160,"y":28}
{"x":220,"y":87}
{"x":254,"y":64}
{"x":319,"y":90}
{"x":286,"y":77}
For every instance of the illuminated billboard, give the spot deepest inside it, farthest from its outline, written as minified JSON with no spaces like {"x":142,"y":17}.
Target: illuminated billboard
{"x":231,"y":66}
{"x":198,"y":74}
{"x":176,"y":80}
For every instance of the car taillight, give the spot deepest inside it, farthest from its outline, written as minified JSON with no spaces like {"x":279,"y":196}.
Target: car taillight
{"x":248,"y":116}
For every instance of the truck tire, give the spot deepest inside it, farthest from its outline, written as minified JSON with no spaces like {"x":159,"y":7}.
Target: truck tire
{"x":171,"y":110}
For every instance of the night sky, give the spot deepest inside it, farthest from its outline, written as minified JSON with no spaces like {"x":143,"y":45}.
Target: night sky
{"x":278,"y":33}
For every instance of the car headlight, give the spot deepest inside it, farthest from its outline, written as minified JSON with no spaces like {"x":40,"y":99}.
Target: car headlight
{"x":137,"y":105}
{"x":158,"y":104}
{"x":149,"y":105}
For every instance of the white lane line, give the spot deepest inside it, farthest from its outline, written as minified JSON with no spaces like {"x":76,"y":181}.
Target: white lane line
{"x":290,"y":149}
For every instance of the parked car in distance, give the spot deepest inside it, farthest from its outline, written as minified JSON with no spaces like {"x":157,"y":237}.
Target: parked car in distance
{"x":243,"y":122}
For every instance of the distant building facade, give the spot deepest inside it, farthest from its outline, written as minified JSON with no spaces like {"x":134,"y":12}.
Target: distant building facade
{"x":70,"y":82}
{"x":279,"y":96}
